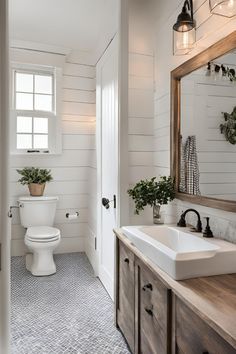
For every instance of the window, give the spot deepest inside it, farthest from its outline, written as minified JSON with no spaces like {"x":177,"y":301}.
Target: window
{"x":35,"y":110}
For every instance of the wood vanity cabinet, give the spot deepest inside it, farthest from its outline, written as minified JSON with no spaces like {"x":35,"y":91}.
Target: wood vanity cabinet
{"x":152,"y":312}
{"x":125,"y":293}
{"x":194,"y":336}
{"x":154,"y":320}
{"x":142,"y":311}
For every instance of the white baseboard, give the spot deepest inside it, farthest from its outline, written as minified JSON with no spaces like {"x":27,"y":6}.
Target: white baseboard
{"x":90,"y":250}
{"x":107,"y":281}
{"x":91,"y":253}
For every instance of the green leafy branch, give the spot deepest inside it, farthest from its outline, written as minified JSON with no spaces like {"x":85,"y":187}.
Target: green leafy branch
{"x":152,"y":192}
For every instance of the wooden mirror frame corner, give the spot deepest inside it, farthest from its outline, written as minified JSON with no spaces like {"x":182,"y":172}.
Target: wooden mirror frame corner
{"x":218,"y":49}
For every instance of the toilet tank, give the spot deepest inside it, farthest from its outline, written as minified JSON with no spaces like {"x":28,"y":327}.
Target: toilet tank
{"x":37,"y":211}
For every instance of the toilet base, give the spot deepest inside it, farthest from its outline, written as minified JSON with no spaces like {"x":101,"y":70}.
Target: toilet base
{"x":40,"y":263}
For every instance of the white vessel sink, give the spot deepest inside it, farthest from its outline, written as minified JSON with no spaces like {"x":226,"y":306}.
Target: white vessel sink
{"x":183,"y":254}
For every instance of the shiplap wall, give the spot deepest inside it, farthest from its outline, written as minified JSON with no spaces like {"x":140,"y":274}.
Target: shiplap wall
{"x":90,"y":244}
{"x":210,"y":29}
{"x":141,"y":98}
{"x":203,"y":99}
{"x":70,"y":170}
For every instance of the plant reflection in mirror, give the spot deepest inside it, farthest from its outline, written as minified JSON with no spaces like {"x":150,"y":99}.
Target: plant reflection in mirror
{"x":229,"y":127}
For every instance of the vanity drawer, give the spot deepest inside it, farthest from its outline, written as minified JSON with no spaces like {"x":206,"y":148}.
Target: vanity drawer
{"x":194,"y":336}
{"x":153,"y":309}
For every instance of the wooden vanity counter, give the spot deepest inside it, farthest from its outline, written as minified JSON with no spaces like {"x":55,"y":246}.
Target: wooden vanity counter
{"x":213,"y":298}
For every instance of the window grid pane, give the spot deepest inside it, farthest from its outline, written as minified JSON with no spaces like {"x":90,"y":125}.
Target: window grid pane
{"x":40,"y":125}
{"x":43,"y":84}
{"x":24,"y":82}
{"x":24,"y":101}
{"x":40,"y":141}
{"x":24,"y":141}
{"x":33,"y":132}
{"x":43,"y":102}
{"x":32,"y":95}
{"x":24,"y":124}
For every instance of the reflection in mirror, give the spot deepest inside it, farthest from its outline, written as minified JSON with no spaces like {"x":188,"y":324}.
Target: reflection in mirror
{"x":208,"y":130}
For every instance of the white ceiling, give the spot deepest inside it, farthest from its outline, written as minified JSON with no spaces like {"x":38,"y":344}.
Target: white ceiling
{"x":73,"y":24}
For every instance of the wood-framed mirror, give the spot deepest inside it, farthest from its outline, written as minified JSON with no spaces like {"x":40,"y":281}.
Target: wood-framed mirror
{"x":203,"y":150}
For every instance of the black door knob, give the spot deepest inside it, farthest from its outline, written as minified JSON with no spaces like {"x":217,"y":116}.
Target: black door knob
{"x":105,"y":203}
{"x":126,"y":260}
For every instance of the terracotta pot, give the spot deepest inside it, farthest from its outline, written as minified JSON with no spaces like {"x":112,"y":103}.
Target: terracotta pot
{"x":36,"y":190}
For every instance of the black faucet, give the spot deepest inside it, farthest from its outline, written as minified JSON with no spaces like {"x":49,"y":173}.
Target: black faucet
{"x":182,"y":221}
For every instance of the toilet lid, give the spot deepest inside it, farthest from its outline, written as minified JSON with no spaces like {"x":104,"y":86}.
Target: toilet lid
{"x":42,"y":233}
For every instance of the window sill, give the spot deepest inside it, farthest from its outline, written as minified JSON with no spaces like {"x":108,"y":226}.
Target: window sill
{"x":35,"y":153}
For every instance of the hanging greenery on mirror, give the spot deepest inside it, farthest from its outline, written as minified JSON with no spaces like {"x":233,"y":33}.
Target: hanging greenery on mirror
{"x":228,"y":128}
{"x":222,"y":70}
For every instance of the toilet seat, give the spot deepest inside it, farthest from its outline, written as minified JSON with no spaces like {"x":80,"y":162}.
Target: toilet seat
{"x":42,"y":234}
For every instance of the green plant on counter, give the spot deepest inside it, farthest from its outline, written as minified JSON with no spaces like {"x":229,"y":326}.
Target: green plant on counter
{"x":34,"y":175}
{"x":152,"y":192}
{"x":229,"y":127}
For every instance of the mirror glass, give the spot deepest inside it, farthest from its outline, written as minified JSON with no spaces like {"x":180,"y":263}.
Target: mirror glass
{"x":208,"y":130}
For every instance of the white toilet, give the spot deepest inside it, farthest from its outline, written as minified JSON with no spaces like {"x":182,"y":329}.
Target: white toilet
{"x":37,"y":215}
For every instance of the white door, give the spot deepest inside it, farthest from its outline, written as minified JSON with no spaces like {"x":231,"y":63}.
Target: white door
{"x":107,"y":138}
{"x":4,"y":200}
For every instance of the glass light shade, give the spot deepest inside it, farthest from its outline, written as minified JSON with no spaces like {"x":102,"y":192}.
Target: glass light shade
{"x":183,"y":42}
{"x":225,"y":8}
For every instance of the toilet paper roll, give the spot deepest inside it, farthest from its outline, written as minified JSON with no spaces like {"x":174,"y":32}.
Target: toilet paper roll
{"x":72,"y":216}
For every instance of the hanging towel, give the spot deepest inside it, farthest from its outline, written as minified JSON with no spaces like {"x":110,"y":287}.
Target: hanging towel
{"x":182,"y":183}
{"x":189,"y":175}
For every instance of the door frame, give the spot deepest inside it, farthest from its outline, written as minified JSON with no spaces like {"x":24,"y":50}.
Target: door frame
{"x":122,"y":202}
{"x":4,"y":182}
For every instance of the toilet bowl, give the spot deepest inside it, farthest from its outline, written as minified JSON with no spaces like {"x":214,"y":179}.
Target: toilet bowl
{"x":41,"y":238}
{"x":41,"y":241}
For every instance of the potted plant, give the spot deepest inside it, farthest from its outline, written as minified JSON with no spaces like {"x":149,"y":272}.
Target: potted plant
{"x":153,"y":193}
{"x":35,"y":178}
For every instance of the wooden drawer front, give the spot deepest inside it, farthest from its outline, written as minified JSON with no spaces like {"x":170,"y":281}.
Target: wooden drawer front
{"x":153,"y":313}
{"x":194,"y":336}
{"x":125,"y":312}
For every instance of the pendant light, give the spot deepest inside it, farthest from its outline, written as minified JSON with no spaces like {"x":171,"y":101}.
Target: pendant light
{"x":226,"y":8}
{"x":184,"y":33}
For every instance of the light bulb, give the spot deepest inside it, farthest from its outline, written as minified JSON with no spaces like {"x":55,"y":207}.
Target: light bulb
{"x":185,"y":40}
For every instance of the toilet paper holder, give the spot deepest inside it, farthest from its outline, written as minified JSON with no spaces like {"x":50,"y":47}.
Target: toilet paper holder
{"x":9,"y":214}
{"x":73,"y":216}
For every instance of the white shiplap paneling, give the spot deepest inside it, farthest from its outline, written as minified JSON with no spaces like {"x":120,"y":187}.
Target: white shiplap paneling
{"x":209,"y":30}
{"x":141,"y":97}
{"x":71,"y":170}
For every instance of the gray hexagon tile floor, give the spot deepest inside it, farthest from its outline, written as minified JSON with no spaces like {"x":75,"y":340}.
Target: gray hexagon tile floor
{"x":66,"y":313}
